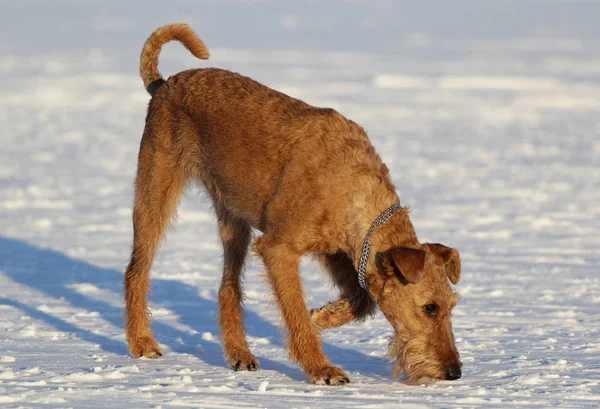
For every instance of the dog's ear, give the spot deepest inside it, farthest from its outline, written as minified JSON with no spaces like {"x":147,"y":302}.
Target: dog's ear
{"x":407,"y":263}
{"x":448,"y":257}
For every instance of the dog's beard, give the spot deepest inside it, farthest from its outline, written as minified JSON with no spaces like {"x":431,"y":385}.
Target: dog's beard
{"x":412,"y":358}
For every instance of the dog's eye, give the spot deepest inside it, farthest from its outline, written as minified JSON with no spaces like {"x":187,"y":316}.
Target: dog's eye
{"x":431,"y":309}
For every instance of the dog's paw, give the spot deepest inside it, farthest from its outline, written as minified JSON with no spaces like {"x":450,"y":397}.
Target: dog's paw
{"x":315,"y":315}
{"x":146,"y":347}
{"x":329,"y":375}
{"x":243,"y":361}
{"x":320,"y":317}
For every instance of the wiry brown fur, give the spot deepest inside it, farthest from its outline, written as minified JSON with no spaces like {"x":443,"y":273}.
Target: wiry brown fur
{"x":423,"y":346}
{"x":311,"y":182}
{"x":151,"y":50}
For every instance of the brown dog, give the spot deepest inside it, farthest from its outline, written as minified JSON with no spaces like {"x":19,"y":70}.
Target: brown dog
{"x":311,"y":182}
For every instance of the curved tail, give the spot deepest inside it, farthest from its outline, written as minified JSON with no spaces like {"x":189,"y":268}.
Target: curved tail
{"x":149,"y":59}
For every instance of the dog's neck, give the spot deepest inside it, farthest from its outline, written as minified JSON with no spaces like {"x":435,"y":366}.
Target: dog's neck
{"x":398,"y":231}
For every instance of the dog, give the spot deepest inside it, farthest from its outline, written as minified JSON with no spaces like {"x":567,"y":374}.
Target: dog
{"x":311,"y":182}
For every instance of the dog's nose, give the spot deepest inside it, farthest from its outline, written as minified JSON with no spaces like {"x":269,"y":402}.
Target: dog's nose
{"x":453,"y":372}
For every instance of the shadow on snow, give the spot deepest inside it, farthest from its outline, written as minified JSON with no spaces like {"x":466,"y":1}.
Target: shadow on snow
{"x":53,"y":273}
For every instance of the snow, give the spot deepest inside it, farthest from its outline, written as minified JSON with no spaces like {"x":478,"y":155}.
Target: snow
{"x":487,"y":115}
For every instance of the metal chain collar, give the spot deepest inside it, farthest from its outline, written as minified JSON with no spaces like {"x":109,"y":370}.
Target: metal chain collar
{"x":364,"y":256}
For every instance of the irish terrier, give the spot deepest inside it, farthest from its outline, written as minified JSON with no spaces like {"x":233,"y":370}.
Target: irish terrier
{"x":311,"y":182}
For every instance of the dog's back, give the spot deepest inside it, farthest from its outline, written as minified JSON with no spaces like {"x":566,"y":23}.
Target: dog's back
{"x":236,"y":133}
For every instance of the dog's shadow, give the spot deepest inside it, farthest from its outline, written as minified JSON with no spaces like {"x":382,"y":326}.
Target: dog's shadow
{"x":57,"y":275}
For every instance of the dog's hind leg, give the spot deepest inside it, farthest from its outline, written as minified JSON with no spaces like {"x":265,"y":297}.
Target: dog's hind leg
{"x":235,"y":234}
{"x":159,"y":183}
{"x":354,"y":303}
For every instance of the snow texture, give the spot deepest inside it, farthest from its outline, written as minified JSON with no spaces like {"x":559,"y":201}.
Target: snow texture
{"x":487,"y":114}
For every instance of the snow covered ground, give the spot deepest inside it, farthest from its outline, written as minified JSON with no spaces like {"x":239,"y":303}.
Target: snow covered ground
{"x":487,"y":114}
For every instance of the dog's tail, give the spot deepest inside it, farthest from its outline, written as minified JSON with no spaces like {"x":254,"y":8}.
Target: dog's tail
{"x":149,"y":58}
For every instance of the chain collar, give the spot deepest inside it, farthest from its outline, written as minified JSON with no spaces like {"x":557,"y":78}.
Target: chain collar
{"x":364,"y":256}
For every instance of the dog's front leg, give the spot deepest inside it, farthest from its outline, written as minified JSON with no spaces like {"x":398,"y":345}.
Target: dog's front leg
{"x":282,"y":264}
{"x":354,"y":303}
{"x":342,"y":311}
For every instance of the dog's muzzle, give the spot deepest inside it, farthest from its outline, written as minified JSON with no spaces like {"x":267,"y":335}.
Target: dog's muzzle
{"x":453,"y":373}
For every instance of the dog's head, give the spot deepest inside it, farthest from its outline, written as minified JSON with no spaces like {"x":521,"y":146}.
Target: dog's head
{"x":412,"y":288}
